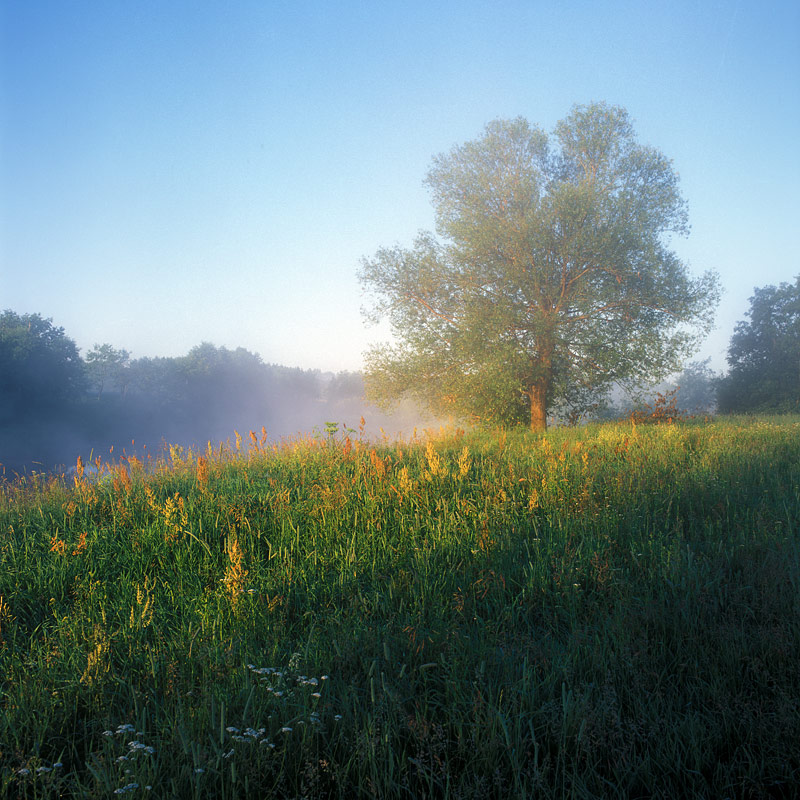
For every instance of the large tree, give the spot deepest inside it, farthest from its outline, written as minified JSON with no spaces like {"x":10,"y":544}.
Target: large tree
{"x":551,"y":277}
{"x":764,"y":354}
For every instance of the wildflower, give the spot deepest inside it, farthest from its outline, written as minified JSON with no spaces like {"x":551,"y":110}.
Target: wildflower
{"x":40,"y":770}
{"x":57,"y":765}
{"x":316,"y":694}
{"x":286,"y":729}
{"x":235,"y":573}
{"x":231,"y":729}
{"x":464,"y":463}
{"x":23,"y":771}
{"x":337,"y":717}
{"x":324,"y":677}
{"x":81,"y":546}
{"x":198,"y":770}
{"x":405,"y":482}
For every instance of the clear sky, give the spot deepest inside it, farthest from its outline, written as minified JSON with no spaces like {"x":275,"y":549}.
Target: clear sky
{"x":174,"y":172}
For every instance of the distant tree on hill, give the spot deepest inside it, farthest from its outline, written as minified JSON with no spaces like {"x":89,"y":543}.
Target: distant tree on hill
{"x":551,"y":279}
{"x":40,"y":367}
{"x":764,"y":354}
{"x":107,"y":368}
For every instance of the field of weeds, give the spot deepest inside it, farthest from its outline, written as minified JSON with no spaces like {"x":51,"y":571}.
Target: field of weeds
{"x":610,"y":611}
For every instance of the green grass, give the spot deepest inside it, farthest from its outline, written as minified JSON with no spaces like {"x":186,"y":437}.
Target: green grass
{"x":611,"y":611}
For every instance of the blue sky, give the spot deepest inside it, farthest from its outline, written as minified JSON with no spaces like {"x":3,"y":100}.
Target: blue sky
{"x":186,"y":171}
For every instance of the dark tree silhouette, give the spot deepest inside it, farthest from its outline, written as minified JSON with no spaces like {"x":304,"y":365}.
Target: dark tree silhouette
{"x":40,"y":367}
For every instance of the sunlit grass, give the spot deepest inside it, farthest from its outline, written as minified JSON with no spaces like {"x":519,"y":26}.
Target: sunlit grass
{"x":606,"y":611}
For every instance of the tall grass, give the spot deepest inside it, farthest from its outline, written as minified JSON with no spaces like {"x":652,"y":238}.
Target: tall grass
{"x":611,"y":611}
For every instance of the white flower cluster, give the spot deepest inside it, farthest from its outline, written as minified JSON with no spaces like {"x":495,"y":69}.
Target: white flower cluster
{"x":134,"y":748}
{"x":282,"y":685}
{"x":24,"y":772}
{"x":249,"y":736}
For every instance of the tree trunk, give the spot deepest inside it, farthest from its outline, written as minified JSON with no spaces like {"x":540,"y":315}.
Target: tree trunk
{"x":538,"y":395}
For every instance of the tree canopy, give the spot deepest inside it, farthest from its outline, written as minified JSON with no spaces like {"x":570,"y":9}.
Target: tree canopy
{"x":550,"y":278}
{"x":106,"y":366}
{"x":39,"y":364}
{"x":764,"y":354}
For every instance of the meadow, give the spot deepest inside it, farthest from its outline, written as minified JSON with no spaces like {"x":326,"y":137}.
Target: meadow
{"x":607,"y":611}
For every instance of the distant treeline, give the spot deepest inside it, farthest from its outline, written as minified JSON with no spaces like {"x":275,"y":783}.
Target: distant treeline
{"x":55,"y":405}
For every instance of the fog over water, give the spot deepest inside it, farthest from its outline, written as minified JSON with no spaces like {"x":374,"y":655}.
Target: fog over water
{"x":55,"y":405}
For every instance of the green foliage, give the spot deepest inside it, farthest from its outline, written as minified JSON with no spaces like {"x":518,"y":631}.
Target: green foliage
{"x":39,"y":364}
{"x":603,"y":611}
{"x":764,"y":354}
{"x":550,"y":279}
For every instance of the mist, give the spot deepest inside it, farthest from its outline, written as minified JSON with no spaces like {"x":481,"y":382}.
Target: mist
{"x":56,"y":406}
